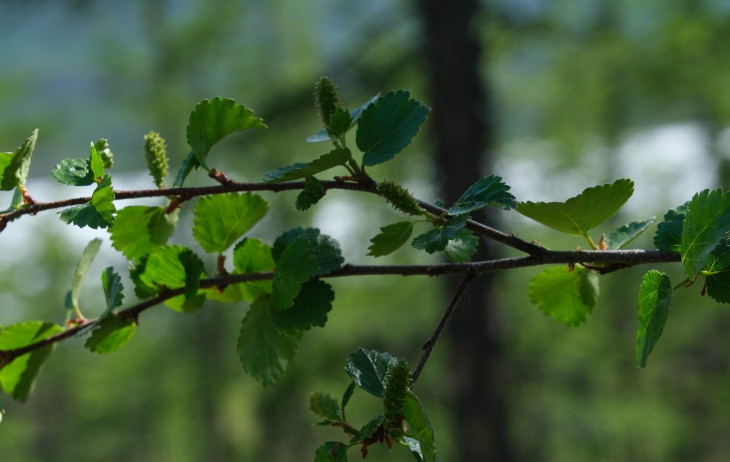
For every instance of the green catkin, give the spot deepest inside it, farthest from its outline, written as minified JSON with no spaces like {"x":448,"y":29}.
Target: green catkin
{"x":326,"y":98}
{"x":324,"y":405}
{"x":396,"y":388}
{"x":155,"y":153}
{"x":399,"y":197}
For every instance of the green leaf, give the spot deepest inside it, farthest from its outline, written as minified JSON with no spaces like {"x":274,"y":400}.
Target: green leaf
{"x":253,"y":256}
{"x":707,"y":219}
{"x":388,"y":126}
{"x":489,"y":190}
{"x":98,"y":212}
{"x":311,"y":194}
{"x":294,"y":267}
{"x":309,"y":310}
{"x":14,"y":166}
{"x":340,"y":122}
{"x":355,"y":114}
{"x":655,"y":298}
{"x":173,"y":267}
{"x":221,"y":219}
{"x":107,"y":157}
{"x":462,"y":247}
{"x":15,"y":202}
{"x":74,"y":172}
{"x":331,"y":451}
{"x":138,"y":229}
{"x":82,"y":270}
{"x":420,"y":438}
{"x":326,"y":250}
{"x":112,"y":333}
{"x":334,"y":158}
{"x":18,"y":377}
{"x":583,"y":212}
{"x":325,"y":406}
{"x":111,"y":282}
{"x":668,"y":235}
{"x":213,"y":120}
{"x":96,"y":164}
{"x":717,"y":272}
{"x":627,"y":233}
{"x":187,"y":166}
{"x":263,"y":350}
{"x":568,"y":296}
{"x":437,"y":239}
{"x":367,"y":430}
{"x":369,"y":370}
{"x":391,"y":238}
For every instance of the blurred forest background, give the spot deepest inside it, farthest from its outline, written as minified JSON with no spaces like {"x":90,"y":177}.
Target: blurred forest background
{"x":552,"y":95}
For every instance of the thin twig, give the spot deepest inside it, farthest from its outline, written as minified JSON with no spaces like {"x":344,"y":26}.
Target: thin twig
{"x":431,"y":342}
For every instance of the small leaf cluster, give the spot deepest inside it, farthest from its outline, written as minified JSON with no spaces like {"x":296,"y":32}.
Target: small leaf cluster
{"x":403,"y":420}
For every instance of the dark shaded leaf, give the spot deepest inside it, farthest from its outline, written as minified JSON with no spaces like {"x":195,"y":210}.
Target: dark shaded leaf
{"x":655,"y":298}
{"x":489,"y":190}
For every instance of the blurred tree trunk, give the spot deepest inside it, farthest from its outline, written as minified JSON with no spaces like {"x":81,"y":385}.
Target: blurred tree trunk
{"x":462,"y":121}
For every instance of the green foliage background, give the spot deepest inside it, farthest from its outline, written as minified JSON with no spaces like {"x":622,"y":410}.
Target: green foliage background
{"x":579,"y":76}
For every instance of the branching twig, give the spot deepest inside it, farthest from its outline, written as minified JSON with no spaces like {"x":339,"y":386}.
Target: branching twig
{"x":431,"y":342}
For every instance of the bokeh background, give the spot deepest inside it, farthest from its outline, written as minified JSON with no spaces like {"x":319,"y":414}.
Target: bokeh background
{"x":552,"y":95}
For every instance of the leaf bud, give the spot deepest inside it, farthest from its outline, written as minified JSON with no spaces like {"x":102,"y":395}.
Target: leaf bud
{"x":155,"y":153}
{"x":326,"y":98}
{"x":399,"y":197}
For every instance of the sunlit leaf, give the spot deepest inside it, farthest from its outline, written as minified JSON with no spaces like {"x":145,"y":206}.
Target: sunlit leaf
{"x":18,"y":377}
{"x":583,"y":212}
{"x":568,"y":296}
{"x":14,"y":166}
{"x":138,"y":229}
{"x":221,"y":219}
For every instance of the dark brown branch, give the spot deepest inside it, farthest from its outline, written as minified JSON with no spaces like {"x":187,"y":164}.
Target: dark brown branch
{"x":431,"y":342}
{"x":601,"y":260}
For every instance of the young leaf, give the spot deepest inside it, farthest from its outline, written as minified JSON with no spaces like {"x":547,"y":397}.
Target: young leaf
{"x":707,"y":219}
{"x":331,"y":451}
{"x":82,"y":271}
{"x":172,"y":267}
{"x":369,"y":370}
{"x":391,"y":238}
{"x":107,"y":157}
{"x":221,"y":219}
{"x":568,"y":296}
{"x":717,"y":272}
{"x":420,"y":438}
{"x":138,"y":229}
{"x":355,"y":114}
{"x":111,"y":334}
{"x":326,"y":250}
{"x":213,"y":120}
{"x":253,"y":256}
{"x":74,"y":172}
{"x":437,"y":239}
{"x":489,"y":190}
{"x":583,"y":212}
{"x":18,"y":377}
{"x":367,"y":430}
{"x":309,"y":310}
{"x":462,"y":247}
{"x":14,"y":166}
{"x":340,"y":122}
{"x":111,"y":282}
{"x":627,"y":233}
{"x":669,"y":232}
{"x":655,"y":298}
{"x":264,"y":351}
{"x":96,"y":164}
{"x":311,"y":194}
{"x":295,"y":265}
{"x":388,"y":126}
{"x":98,"y":212}
{"x":334,"y":158}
